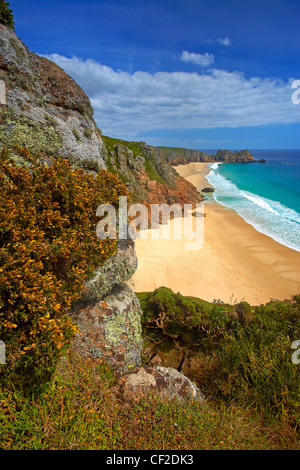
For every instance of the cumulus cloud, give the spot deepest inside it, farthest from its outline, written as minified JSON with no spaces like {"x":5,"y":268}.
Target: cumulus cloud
{"x":199,"y":59}
{"x":129,"y":104}
{"x":225,"y":41}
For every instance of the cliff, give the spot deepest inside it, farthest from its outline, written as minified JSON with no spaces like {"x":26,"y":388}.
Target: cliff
{"x":182,"y":156}
{"x":45,"y":111}
{"x":147,"y":174}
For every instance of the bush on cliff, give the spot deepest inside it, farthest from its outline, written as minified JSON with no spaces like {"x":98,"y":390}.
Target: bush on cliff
{"x":235,"y":353}
{"x":6,"y":14}
{"x":48,"y":249}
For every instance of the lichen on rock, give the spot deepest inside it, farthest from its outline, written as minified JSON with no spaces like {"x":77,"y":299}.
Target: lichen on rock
{"x":167,"y":382}
{"x":118,"y":269}
{"x":111,"y":330}
{"x":43,"y":106}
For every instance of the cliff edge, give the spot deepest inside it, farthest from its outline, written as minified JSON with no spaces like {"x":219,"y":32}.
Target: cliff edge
{"x":45,"y":111}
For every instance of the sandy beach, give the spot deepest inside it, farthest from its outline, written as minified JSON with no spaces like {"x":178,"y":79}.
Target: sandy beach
{"x":235,"y":263}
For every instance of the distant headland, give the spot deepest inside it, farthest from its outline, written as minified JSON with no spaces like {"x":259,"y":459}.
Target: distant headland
{"x":181,"y":156}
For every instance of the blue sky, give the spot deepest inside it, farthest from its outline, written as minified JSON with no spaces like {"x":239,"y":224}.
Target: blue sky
{"x":202,"y":74}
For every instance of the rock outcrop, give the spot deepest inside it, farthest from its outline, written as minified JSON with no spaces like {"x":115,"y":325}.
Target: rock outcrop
{"x":183,"y":156}
{"x":167,"y":382}
{"x":108,"y":314}
{"x":207,"y":190}
{"x":44,"y":109}
{"x":111,"y":330}
{"x":118,"y":269}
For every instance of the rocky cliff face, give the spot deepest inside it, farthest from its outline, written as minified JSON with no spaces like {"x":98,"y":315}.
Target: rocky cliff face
{"x":46,"y":111}
{"x":183,"y":156}
{"x":108,"y":314}
{"x":43,"y":109}
{"x":150,"y":179}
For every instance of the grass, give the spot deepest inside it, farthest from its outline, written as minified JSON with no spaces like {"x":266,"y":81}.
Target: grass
{"x":235,"y":354}
{"x":241,"y":363}
{"x":81,"y":411}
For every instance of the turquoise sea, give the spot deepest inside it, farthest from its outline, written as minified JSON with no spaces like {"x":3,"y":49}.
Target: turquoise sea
{"x":266,"y":195}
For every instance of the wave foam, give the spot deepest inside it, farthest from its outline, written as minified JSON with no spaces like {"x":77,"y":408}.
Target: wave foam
{"x":269,"y":217}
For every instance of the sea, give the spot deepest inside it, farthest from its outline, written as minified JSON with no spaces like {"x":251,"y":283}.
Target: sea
{"x":266,"y":195}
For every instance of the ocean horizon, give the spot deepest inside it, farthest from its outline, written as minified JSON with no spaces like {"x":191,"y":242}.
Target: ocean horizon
{"x":266,"y":195}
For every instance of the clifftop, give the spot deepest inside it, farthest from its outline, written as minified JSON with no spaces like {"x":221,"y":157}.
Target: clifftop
{"x":46,"y":111}
{"x":43,"y":108}
{"x":147,"y":174}
{"x":182,"y":156}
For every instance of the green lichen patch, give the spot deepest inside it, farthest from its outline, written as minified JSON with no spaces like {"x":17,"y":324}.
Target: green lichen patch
{"x":19,"y":130}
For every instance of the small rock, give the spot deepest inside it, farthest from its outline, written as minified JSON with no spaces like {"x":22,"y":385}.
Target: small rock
{"x":167,"y":382}
{"x":207,"y":190}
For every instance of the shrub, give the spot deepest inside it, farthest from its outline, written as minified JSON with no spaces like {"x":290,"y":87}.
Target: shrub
{"x":237,"y":353}
{"x":88,"y":133}
{"x":48,"y":249}
{"x":6,"y":14}
{"x":76,"y":134}
{"x":168,"y":316}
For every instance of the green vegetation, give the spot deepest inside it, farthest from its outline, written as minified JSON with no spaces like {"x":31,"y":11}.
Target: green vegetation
{"x":137,"y":148}
{"x":242,"y":360}
{"x":88,"y":133}
{"x":235,"y":353}
{"x":111,"y":142}
{"x":76,"y":134}
{"x":6,"y":14}
{"x":79,"y":411}
{"x":48,"y":249}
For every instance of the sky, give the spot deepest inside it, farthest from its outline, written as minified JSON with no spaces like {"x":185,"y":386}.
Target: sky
{"x":201,"y":74}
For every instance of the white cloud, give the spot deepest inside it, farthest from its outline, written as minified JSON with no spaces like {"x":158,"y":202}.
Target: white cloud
{"x":225,"y":41}
{"x":199,"y":59}
{"x":128,"y":104}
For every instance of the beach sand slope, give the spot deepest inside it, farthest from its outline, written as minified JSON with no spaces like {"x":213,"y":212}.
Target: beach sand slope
{"x":235,"y":263}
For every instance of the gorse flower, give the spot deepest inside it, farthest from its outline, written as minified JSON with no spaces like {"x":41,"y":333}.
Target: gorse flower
{"x":48,"y":249}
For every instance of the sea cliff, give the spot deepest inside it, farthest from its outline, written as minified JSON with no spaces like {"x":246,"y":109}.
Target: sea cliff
{"x":182,"y":156}
{"x":46,"y":112}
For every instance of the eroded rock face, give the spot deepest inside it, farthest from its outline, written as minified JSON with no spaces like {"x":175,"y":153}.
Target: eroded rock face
{"x":166,"y":381}
{"x":150,"y":179}
{"x":118,"y":269}
{"x":44,"y":108}
{"x":111,"y":329}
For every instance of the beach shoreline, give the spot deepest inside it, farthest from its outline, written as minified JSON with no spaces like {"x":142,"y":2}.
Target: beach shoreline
{"x":235,"y":263}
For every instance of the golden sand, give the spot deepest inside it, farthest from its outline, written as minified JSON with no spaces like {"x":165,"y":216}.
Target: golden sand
{"x":235,"y":263}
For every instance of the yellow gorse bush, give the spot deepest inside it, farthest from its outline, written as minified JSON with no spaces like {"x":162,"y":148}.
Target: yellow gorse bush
{"x":48,"y":249}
